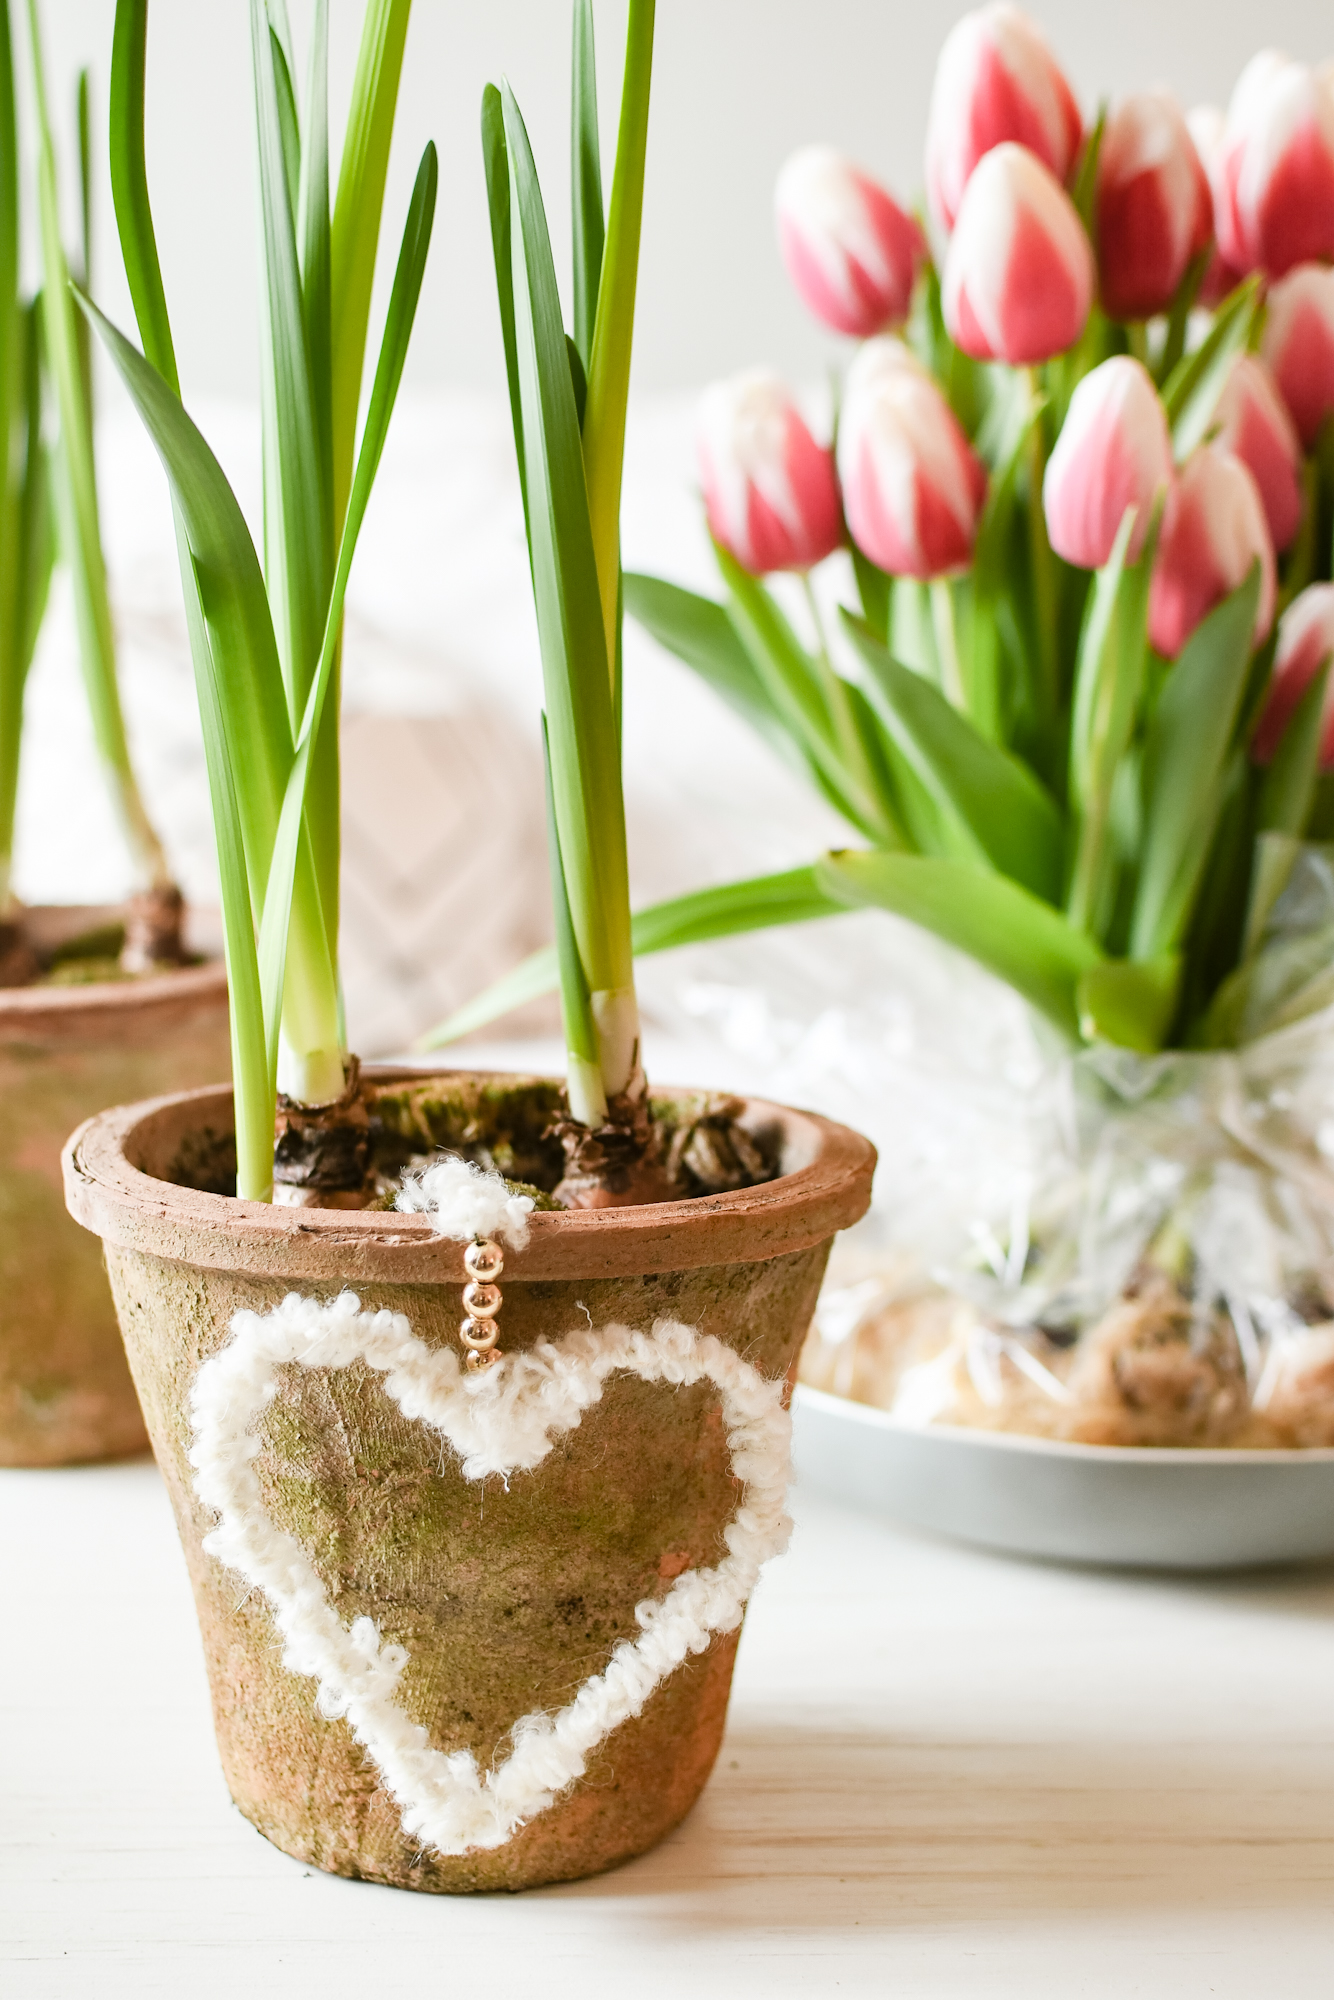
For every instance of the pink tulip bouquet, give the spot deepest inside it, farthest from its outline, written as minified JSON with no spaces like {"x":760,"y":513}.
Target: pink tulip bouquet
{"x":1078,"y":707}
{"x":1084,"y":469}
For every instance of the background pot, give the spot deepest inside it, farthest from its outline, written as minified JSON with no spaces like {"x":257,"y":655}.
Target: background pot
{"x":507,"y":1597}
{"x":65,"y":1391}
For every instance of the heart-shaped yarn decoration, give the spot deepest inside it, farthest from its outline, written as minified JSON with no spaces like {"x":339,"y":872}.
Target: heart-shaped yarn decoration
{"x":502,"y":1421}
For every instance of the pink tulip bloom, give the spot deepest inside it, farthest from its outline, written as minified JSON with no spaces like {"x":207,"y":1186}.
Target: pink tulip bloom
{"x":1274,"y":185}
{"x":1114,"y":452}
{"x":1155,"y":210}
{"x":1018,"y":279}
{"x":769,"y":488}
{"x":850,"y":250}
{"x":1255,"y":427}
{"x":1305,"y":642}
{"x":1206,"y":125}
{"x":1299,"y":345}
{"x":996,"y":80}
{"x":912,"y":487}
{"x":1213,"y":530}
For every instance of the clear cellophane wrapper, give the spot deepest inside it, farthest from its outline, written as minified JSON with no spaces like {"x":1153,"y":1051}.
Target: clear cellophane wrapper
{"x":1097,"y":1247}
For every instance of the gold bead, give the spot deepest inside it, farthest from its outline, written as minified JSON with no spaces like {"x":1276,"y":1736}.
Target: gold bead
{"x":479,"y":1334}
{"x":483,"y":1301}
{"x":484,"y":1260}
{"x":477,"y":1361}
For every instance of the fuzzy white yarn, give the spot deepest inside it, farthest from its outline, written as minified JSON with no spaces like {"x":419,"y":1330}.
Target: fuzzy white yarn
{"x":465,"y":1202}
{"x":501,"y":1421}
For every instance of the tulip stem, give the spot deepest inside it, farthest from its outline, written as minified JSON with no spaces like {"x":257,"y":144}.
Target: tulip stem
{"x":847,"y":737}
{"x":947,"y":642}
{"x":1043,"y":564}
{"x":1137,"y":338}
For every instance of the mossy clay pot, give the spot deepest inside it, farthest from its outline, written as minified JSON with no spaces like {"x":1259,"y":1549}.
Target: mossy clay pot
{"x":506,"y":1593}
{"x":65,"y":1051}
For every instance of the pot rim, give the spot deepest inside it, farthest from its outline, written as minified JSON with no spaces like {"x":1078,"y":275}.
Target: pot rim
{"x":71,"y":1013}
{"x":828,"y":1189}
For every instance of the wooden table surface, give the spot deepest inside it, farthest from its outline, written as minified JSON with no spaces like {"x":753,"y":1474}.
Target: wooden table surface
{"x":946,"y":1774}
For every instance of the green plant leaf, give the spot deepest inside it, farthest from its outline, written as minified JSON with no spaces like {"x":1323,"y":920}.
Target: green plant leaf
{"x":253,"y":1081}
{"x":581,"y":1036}
{"x":875,"y":589}
{"x":581,"y":716}
{"x":1022,"y":940}
{"x":1128,"y":1004}
{"x":1179,"y":312}
{"x":129,"y":189}
{"x":315,"y":237}
{"x":1011,"y":822}
{"x":729,"y":910}
{"x":289,"y":848}
{"x":251,"y":703}
{"x":1191,"y":394}
{"x":1287,"y":789}
{"x":297,"y":505}
{"x":288,"y":122}
{"x":242,"y":701}
{"x":585,"y":181}
{"x":15,"y":433}
{"x":1186,"y":752}
{"x":495,"y":160}
{"x":358,"y":206}
{"x":76,"y":499}
{"x":613,"y":330}
{"x":798,"y":691}
{"x":1109,"y":684}
{"x":700,"y":633}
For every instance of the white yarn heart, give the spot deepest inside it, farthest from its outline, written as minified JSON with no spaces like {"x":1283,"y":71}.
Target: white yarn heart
{"x":503,"y":1420}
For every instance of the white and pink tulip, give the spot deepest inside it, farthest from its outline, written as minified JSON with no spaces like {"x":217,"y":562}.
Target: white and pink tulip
{"x":996,"y":80}
{"x":1019,"y":278}
{"x":769,"y":488}
{"x":1305,"y":642}
{"x":1155,"y":210}
{"x":1298,"y":344}
{"x":1255,"y":426}
{"x":850,"y":250}
{"x":912,"y":486}
{"x":1274,"y":176}
{"x":1114,"y":452}
{"x":1214,"y":529}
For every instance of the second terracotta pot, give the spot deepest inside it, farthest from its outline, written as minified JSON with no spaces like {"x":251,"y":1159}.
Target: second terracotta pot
{"x":507,"y":1594}
{"x":65,"y":1391}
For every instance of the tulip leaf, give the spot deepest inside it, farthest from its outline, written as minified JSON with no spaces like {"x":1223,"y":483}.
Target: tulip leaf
{"x":1186,"y":754}
{"x":1287,"y":791}
{"x":1019,"y":938}
{"x":700,"y":633}
{"x":1130,"y":1004}
{"x":803,"y":697}
{"x":876,"y":591}
{"x":1008,"y":817}
{"x":729,"y":910}
{"x":585,"y":181}
{"x":1193,"y":389}
{"x":495,"y":159}
{"x":1109,"y":684}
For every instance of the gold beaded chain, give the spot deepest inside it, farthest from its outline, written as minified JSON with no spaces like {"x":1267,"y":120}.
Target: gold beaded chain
{"x":484,"y":1261}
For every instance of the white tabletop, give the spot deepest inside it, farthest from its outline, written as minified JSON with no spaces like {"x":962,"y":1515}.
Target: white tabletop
{"x":945,"y":1774}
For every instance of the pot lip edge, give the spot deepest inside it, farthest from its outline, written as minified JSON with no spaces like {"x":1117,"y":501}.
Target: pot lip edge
{"x":23,"y":1008}
{"x":100,"y":1182}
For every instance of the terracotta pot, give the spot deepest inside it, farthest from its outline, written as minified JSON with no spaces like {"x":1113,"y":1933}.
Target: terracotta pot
{"x":65,"y":1391}
{"x":507,"y":1594}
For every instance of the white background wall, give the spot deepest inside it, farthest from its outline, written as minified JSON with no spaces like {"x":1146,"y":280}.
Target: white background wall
{"x":739,"y":83}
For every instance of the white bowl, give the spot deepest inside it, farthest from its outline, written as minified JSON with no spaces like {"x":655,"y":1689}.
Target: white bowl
{"x":1153,"y":1509}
